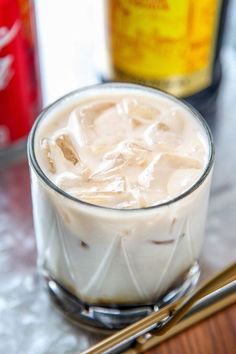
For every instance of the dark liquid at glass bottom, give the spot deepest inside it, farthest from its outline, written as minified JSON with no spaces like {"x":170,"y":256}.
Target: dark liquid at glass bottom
{"x":114,"y":317}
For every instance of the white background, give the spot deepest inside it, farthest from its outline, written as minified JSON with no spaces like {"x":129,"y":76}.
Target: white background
{"x":69,"y":44}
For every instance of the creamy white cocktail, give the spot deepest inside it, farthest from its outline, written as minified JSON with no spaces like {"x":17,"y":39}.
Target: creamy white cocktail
{"x":120,"y":185}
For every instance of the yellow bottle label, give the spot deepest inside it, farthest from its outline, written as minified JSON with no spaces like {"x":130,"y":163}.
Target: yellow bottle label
{"x":167,"y":43}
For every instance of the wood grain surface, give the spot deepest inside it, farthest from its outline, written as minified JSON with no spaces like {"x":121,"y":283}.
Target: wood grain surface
{"x":216,"y":335}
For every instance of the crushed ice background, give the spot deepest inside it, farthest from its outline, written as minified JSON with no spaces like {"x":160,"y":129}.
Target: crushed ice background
{"x":29,"y":322}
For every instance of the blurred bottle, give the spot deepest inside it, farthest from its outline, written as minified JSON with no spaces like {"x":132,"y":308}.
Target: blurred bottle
{"x":172,"y":45}
{"x":20,"y":94}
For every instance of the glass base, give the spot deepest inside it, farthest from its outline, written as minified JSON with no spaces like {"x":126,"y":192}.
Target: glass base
{"x":115,"y":317}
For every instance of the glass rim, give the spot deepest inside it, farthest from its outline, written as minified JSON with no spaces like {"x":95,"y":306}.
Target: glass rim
{"x":34,"y":163}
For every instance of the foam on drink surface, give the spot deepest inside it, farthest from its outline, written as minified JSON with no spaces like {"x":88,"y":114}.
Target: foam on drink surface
{"x":123,"y":151}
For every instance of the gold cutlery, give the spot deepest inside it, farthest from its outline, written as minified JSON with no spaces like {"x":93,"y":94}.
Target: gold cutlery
{"x":163,"y":321}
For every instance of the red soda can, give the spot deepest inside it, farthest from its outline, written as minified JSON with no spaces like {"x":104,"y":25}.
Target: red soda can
{"x":20,"y":93}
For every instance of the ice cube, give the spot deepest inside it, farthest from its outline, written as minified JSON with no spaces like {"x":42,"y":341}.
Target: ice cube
{"x":86,"y":173}
{"x":76,"y":127}
{"x":111,"y":128}
{"x":74,"y":184}
{"x":168,"y":129}
{"x":139,"y":113}
{"x":196,"y":145}
{"x":138,"y":195}
{"x":161,"y":134}
{"x":103,"y":199}
{"x":108,"y":191}
{"x":108,"y":167}
{"x":94,"y":109}
{"x":127,"y":158}
{"x":46,"y":150}
{"x":115,"y":185}
{"x":163,"y":127}
{"x":137,"y":148}
{"x":176,"y":119}
{"x":158,"y":172}
{"x":128,"y":151}
{"x":174,"y":161}
{"x":67,"y":180}
{"x":181,"y":180}
{"x":81,"y":121}
{"x":138,"y":155}
{"x":145,"y":178}
{"x":65,"y":144}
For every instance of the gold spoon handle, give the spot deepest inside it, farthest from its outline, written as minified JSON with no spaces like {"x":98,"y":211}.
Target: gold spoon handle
{"x":170,"y":314}
{"x":218,"y":281}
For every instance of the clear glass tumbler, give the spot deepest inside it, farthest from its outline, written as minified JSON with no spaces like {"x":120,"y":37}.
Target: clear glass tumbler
{"x":110,"y":267}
